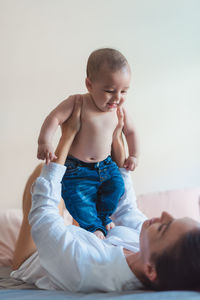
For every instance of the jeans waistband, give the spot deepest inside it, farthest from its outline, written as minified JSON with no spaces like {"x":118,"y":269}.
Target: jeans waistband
{"x":91,"y":165}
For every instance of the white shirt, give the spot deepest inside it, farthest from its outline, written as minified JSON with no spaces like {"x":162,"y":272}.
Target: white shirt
{"x":71,"y":258}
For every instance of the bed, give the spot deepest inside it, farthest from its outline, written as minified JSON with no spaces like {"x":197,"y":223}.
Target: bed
{"x":179,"y":203}
{"x":11,"y":289}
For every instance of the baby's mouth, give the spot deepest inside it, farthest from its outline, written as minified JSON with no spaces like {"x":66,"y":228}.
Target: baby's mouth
{"x":113,"y":104}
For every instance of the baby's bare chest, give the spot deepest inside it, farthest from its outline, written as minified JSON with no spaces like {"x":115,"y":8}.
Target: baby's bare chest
{"x":99,"y":123}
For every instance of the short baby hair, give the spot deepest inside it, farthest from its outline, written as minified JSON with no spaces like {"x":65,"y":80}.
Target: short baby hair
{"x":112,"y":58}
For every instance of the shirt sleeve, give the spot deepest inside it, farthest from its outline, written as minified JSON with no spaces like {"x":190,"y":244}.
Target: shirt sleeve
{"x":73,"y":258}
{"x":55,"y":242}
{"x":127,"y":213}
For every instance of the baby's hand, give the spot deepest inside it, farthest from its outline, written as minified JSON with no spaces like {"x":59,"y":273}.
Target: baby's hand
{"x":130,"y":163}
{"x":45,"y":151}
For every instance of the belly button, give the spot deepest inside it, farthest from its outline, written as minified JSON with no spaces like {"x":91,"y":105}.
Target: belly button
{"x":91,"y":158}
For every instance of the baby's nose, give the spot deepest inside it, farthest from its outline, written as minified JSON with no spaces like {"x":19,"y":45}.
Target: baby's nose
{"x":117,"y":96}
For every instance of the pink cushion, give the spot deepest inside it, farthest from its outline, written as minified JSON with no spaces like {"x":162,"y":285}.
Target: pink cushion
{"x":179,"y":203}
{"x":10,"y":222}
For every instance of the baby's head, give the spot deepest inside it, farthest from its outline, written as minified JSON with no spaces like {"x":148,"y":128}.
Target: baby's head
{"x":108,"y":78}
{"x":105,"y":59}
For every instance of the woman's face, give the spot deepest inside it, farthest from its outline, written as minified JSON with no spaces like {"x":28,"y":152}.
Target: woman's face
{"x":159,"y":233}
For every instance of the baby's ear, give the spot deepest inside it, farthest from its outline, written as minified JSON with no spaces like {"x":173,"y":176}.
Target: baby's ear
{"x":88,"y":84}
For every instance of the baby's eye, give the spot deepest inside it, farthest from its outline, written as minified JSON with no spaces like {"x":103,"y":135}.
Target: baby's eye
{"x":109,"y":91}
{"x":123,"y":92}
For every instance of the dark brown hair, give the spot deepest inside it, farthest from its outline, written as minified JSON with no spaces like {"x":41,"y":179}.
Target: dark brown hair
{"x":112,"y":58}
{"x":178,"y":267}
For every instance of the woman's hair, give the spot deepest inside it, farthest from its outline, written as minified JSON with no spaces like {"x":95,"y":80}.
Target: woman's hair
{"x":112,"y":58}
{"x":178,"y":267}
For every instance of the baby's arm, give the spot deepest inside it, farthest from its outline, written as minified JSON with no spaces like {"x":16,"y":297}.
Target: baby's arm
{"x":130,"y":134}
{"x":60,"y":114}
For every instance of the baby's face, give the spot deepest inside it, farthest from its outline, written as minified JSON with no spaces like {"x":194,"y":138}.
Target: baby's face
{"x":110,"y":88}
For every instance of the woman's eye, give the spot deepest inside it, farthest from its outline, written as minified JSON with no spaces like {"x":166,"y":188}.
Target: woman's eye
{"x":160,"y":227}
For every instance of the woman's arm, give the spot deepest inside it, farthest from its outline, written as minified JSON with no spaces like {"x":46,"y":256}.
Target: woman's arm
{"x":118,"y":151}
{"x":69,"y":130}
{"x":127,"y":212}
{"x":55,"y":241}
{"x":25,"y":245}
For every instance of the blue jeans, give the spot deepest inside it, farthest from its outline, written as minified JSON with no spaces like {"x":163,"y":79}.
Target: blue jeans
{"x":91,"y":192}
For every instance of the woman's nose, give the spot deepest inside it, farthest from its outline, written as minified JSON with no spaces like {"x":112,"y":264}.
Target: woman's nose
{"x":166,"y":217}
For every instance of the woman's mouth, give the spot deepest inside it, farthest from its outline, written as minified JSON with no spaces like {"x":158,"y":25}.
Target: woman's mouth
{"x":153,"y":220}
{"x":149,"y":222}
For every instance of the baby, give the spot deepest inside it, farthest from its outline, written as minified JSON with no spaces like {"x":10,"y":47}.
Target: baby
{"x":92,"y":184}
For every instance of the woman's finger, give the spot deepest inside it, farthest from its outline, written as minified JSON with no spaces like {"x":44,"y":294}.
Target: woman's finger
{"x":54,"y":157}
{"x":50,"y":156}
{"x":77,"y":108}
{"x":120,"y":115}
{"x":47,"y":158}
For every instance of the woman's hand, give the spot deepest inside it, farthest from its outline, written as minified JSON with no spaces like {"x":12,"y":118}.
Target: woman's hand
{"x":118,"y":150}
{"x":73,"y":123}
{"x":118,"y":130}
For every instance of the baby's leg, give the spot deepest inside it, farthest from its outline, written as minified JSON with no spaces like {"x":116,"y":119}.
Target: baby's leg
{"x":79,"y":190}
{"x":110,"y":192}
{"x":25,"y":245}
{"x":119,"y":156}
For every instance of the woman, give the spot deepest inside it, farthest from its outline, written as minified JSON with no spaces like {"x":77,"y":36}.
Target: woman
{"x":70,"y":258}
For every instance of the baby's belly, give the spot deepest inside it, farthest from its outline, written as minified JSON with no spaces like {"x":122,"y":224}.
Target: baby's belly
{"x":91,"y":149}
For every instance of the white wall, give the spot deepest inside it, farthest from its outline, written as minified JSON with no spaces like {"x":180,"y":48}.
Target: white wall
{"x":44,"y":49}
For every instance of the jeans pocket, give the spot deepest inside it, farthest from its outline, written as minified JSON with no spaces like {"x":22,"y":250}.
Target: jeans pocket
{"x":72,"y":166}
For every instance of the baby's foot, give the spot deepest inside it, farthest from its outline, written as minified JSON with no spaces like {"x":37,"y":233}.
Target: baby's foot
{"x":110,"y":225}
{"x":99,"y":234}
